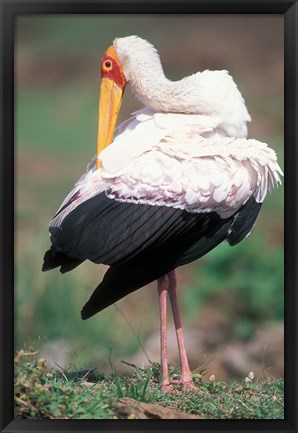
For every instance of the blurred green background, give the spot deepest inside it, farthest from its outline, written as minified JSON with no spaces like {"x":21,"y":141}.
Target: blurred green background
{"x":57,"y":73}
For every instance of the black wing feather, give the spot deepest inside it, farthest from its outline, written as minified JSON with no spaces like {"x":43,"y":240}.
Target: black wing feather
{"x":90,"y":232}
{"x":244,"y":221}
{"x":139,"y":242}
{"x":158,"y":259}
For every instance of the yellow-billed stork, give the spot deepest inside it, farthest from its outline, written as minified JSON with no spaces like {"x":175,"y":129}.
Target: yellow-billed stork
{"x":179,"y":178}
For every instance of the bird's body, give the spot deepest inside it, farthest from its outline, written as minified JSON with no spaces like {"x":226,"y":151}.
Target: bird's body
{"x":179,"y":178}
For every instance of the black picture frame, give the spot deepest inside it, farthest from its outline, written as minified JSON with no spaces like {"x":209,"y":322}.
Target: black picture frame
{"x":9,"y":10}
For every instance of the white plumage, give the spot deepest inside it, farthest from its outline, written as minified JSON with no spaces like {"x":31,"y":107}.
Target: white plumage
{"x":182,"y":161}
{"x":177,"y":166}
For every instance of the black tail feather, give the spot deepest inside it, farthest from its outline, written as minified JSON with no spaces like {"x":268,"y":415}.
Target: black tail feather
{"x":55,"y":259}
{"x":119,"y":281}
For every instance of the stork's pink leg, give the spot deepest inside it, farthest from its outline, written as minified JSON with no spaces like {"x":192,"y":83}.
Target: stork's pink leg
{"x":186,"y":376}
{"x":162,"y":285}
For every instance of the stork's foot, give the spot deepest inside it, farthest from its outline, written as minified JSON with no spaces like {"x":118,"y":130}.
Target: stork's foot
{"x":190,"y":386}
{"x":167,"y":387}
{"x":187,"y":382}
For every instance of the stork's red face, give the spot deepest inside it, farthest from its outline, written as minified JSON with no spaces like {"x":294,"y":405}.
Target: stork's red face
{"x":111,"y":68}
{"x":111,"y":92}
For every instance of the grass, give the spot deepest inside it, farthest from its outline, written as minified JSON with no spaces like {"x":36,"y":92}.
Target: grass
{"x":40,"y":393}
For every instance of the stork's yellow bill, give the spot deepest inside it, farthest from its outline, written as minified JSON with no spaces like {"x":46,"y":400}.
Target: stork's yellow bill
{"x":111,"y":92}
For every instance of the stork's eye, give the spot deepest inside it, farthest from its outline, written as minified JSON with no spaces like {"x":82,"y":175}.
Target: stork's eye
{"x":108,"y":65}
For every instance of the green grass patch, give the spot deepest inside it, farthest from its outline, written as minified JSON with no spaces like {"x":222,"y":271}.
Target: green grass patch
{"x":86,"y":394}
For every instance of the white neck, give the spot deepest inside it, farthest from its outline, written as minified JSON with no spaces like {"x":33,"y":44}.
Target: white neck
{"x":210,"y":93}
{"x":144,"y":73}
